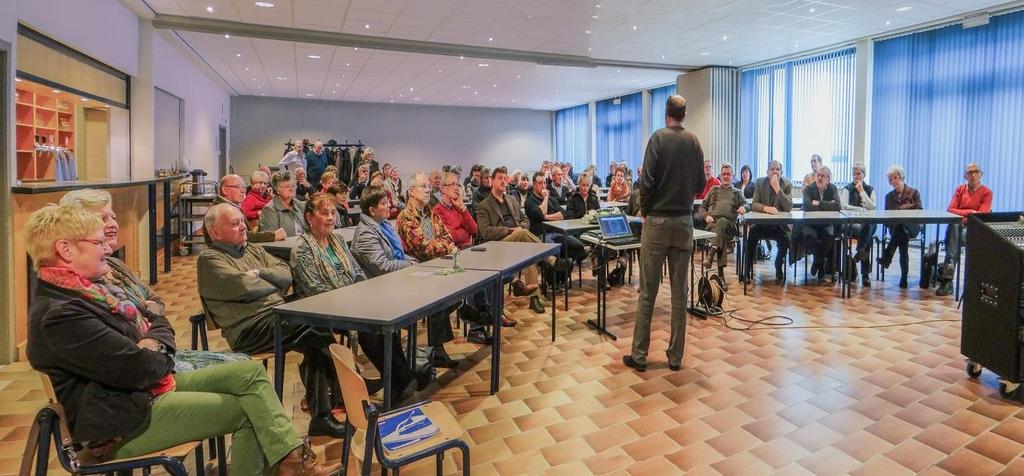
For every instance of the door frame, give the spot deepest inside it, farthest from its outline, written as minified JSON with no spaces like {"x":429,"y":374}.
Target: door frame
{"x":7,"y":345}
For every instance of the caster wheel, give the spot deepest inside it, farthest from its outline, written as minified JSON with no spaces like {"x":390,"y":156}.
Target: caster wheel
{"x":973,"y":369}
{"x":1008,"y":389}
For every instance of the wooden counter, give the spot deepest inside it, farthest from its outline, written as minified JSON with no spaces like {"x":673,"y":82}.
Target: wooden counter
{"x":135,"y":202}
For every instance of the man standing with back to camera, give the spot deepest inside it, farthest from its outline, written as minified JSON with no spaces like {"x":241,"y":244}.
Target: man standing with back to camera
{"x":672,"y":175}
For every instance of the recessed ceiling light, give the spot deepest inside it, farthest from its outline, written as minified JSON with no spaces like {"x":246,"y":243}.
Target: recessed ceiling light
{"x":589,"y":50}
{"x":410,"y":90}
{"x":334,"y":92}
{"x":705,"y":53}
{"x":227,"y":36}
{"x":209,"y":8}
{"x":247,"y":69}
{"x":263,"y":94}
{"x":490,"y":38}
{"x":634,"y":27}
{"x":465,"y":86}
{"x":264,"y":4}
{"x":513,"y":100}
{"x":887,"y":23}
{"x":796,"y":46}
{"x":482,"y":65}
{"x":238,"y":55}
{"x":400,"y":96}
{"x":586,"y":31}
{"x":462,"y":57}
{"x":494,"y":85}
{"x":593,"y":16}
{"x":662,"y":56}
{"x":309,"y":95}
{"x":254,"y":79}
{"x":904,"y":8}
{"x":366,"y":26}
{"x":313,"y":56}
{"x":517,"y":76}
{"x":356,"y":48}
{"x":474,"y":93}
{"x":415,"y":99}
{"x":439,"y":71}
{"x":337,"y":84}
{"x":348,"y":64}
{"x":618,"y":71}
{"x":725,"y":37}
{"x":811,"y":10}
{"x":392,"y":100}
{"x":282,"y":78}
{"x":597,"y":6}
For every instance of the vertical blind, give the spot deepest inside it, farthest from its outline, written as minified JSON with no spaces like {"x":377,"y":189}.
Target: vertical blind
{"x":792,"y":110}
{"x":572,"y":136}
{"x":619,"y":131}
{"x":946,"y":97}
{"x":658,"y":98}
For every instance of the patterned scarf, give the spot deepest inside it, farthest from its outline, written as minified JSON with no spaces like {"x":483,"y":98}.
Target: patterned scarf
{"x":323,"y":262}
{"x":65,"y":278}
{"x":127,"y":284}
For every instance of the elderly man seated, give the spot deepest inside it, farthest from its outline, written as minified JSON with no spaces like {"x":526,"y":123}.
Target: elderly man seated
{"x":772,"y":195}
{"x":232,"y":192}
{"x":821,"y":196}
{"x":501,"y":219}
{"x":559,"y":187}
{"x":970,"y":197}
{"x":721,"y":208}
{"x":239,"y":284}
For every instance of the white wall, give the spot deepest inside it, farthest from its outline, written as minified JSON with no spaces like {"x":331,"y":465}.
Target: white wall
{"x":410,"y":137}
{"x":104,"y":29}
{"x":206,"y":105}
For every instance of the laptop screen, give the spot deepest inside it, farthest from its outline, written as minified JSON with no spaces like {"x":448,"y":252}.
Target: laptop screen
{"x":614,"y":226}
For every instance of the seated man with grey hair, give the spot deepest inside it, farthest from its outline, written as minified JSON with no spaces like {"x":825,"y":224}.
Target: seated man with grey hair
{"x":970,"y":197}
{"x":239,"y":285}
{"x":772,"y":195}
{"x":859,"y":196}
{"x":232,"y":192}
{"x":820,"y":196}
{"x":721,"y":209}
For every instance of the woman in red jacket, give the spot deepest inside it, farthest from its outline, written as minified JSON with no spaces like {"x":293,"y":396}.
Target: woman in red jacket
{"x":259,"y":196}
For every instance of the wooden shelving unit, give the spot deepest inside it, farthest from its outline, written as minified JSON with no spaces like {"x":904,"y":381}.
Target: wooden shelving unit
{"x":41,"y":117}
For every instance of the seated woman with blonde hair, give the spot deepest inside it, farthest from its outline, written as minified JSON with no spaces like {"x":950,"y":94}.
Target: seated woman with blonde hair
{"x":115,"y":379}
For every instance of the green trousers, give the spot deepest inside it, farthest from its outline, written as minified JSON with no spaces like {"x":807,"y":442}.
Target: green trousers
{"x":235,"y":398}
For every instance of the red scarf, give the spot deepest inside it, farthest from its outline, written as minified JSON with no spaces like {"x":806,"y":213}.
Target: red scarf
{"x":67,"y":279}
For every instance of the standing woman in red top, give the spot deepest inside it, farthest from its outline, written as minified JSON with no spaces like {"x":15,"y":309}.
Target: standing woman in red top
{"x":970,"y":197}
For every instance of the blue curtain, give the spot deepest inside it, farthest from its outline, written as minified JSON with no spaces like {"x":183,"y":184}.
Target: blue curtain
{"x":791,"y":110}
{"x":572,"y":136}
{"x":946,"y":97}
{"x":658,"y":98}
{"x":619,"y":132}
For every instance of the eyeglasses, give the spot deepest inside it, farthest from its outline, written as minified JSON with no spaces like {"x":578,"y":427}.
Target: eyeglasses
{"x":101,"y":243}
{"x":239,"y":186}
{"x":973,"y":172}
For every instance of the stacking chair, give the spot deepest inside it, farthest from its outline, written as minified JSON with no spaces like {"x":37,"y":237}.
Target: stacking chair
{"x":51,"y":424}
{"x":353,"y":391}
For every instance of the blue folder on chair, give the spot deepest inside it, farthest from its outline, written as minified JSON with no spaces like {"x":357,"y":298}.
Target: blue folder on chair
{"x":405,"y":429}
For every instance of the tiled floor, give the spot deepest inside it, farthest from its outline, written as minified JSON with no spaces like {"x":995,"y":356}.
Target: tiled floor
{"x":833,"y":393}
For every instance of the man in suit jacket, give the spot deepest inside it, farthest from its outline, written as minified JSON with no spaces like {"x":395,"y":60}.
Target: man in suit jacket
{"x":772,"y":195}
{"x":501,"y":219}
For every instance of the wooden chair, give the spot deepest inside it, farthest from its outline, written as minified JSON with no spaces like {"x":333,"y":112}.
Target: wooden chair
{"x":50,"y":423}
{"x":353,"y":391}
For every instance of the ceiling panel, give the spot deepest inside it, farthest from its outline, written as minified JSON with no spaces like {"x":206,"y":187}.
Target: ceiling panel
{"x":695,"y":33}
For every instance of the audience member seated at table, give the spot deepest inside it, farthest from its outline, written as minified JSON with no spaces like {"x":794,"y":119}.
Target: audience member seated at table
{"x":970,"y":197}
{"x":362,"y":180}
{"x":582,"y":200}
{"x":112,"y":368}
{"x":378,"y":250}
{"x":435,"y":187}
{"x":592,"y":172}
{"x":474,"y":173}
{"x":710,"y":181}
{"x":454,"y":213}
{"x":345,"y":217}
{"x":746,"y":182}
{"x":819,"y":240}
{"x":240,"y":283}
{"x":815,"y":165}
{"x":377,"y":180}
{"x":257,"y":197}
{"x":772,"y":195}
{"x":499,"y":219}
{"x":901,"y":197}
{"x":393,"y":184}
{"x":322,"y":262}
{"x":610,"y":178}
{"x":520,"y":189}
{"x":557,"y":187}
{"x":541,"y":206}
{"x":327,"y":180}
{"x":618,"y":191}
{"x":568,"y":178}
{"x":232,"y":191}
{"x":483,"y":191}
{"x":721,"y":210}
{"x":284,"y":211}
{"x":859,"y":196}
{"x":368,"y":159}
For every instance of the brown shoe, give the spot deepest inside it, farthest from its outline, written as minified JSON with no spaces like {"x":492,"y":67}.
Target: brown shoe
{"x":302,"y":462}
{"x":519,"y":288}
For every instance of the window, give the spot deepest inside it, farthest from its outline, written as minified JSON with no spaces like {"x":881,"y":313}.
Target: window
{"x":946,"y":97}
{"x":795,"y":109}
{"x":572,"y":136}
{"x":658,"y":98}
{"x":619,"y":131}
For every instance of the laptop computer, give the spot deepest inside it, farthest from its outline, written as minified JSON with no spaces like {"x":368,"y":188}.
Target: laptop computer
{"x":615,"y":229}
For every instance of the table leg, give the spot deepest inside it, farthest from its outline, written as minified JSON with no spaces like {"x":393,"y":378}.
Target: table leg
{"x":151,"y":191}
{"x":498,"y":306}
{"x":386,"y":371}
{"x":600,"y":322}
{"x":410,"y":350}
{"x":568,"y":270}
{"x":748,"y":266}
{"x":554,"y":308}
{"x":167,"y":226}
{"x":278,"y":358}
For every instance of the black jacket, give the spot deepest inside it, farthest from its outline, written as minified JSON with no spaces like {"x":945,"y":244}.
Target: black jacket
{"x":536,"y":215}
{"x":578,"y":207}
{"x":673,"y":173}
{"x":100,"y":374}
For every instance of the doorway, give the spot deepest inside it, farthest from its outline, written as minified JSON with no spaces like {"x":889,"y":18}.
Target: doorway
{"x":95,"y":165}
{"x":7,"y":347}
